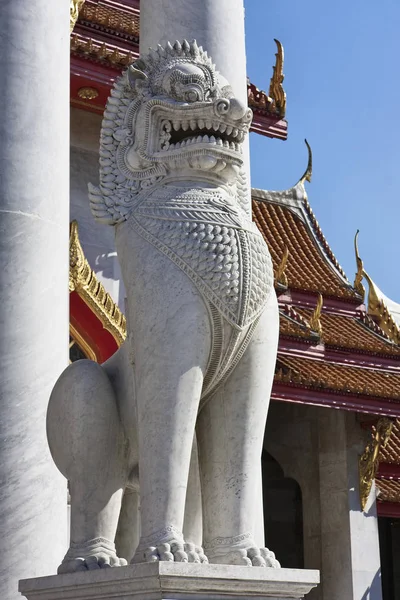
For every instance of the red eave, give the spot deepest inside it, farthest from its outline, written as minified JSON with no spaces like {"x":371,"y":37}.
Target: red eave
{"x":389,"y":471}
{"x":330,"y":398}
{"x":388,"y":509}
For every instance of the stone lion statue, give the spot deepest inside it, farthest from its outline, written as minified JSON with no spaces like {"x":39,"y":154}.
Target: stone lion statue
{"x":202,"y":326}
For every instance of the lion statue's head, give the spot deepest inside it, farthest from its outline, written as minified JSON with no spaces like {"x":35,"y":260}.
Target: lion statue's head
{"x":171,"y":116}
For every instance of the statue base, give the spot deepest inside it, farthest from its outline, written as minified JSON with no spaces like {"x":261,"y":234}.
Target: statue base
{"x":173,"y":581}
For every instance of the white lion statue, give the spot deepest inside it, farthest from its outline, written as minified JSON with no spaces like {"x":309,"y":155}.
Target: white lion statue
{"x":202,"y":327}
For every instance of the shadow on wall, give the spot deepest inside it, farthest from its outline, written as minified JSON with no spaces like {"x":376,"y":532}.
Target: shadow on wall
{"x":374,"y":591}
{"x":355,"y":504}
{"x":108,"y":265}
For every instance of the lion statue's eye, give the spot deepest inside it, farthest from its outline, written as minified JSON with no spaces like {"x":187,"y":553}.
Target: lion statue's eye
{"x":192,"y":96}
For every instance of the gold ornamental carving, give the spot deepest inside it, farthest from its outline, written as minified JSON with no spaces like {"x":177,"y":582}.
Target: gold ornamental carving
{"x":281,"y":279}
{"x":88,"y":93}
{"x":74,"y":8}
{"x":83,"y":280}
{"x":380,"y":312}
{"x":358,"y":286}
{"x":307,"y":175}
{"x":276,"y":91}
{"x":315,"y":319}
{"x":369,"y":460}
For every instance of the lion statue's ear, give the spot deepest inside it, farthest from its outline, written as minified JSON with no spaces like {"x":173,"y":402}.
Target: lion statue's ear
{"x":135,"y":74}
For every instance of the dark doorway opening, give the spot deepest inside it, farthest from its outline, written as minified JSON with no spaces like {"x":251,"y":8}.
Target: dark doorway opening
{"x":283,"y":514}
{"x":389,"y":546}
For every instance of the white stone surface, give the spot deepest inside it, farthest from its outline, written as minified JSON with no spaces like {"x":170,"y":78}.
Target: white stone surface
{"x":173,"y":581}
{"x":34,"y":204}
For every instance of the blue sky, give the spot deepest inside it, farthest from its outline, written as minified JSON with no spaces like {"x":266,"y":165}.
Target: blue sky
{"x":342,"y":79}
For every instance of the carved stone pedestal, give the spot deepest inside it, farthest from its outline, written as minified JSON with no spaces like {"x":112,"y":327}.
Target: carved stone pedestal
{"x":173,"y":581}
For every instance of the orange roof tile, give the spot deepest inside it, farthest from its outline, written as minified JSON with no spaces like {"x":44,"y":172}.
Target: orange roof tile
{"x":350,"y":332}
{"x":389,"y":490}
{"x":391,"y":452}
{"x":307,"y":269}
{"x":338,"y":377}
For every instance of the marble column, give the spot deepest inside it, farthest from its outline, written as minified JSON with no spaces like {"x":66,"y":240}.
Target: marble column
{"x":34,"y":204}
{"x":350,"y":543}
{"x":217,"y":25}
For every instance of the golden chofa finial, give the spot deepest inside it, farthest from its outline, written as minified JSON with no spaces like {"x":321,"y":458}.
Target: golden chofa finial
{"x":358,"y":286}
{"x":276,"y":91}
{"x":280,"y":275}
{"x":315,"y":320}
{"x":74,"y":8}
{"x":307,"y":175}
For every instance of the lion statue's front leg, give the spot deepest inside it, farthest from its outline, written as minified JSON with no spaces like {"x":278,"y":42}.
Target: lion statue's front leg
{"x":202,"y":324}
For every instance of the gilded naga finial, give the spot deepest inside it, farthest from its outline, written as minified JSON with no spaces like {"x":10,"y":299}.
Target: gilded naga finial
{"x":315,"y":320}
{"x":276,"y":91}
{"x":74,"y":8}
{"x":358,"y":286}
{"x":369,"y":460}
{"x":307,"y":175}
{"x":280,"y":275}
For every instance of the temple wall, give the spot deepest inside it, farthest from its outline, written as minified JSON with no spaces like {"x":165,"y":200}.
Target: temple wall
{"x":97,"y":240}
{"x":319,"y":448}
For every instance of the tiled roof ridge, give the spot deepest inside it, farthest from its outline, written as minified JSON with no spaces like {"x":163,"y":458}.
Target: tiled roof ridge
{"x":295,"y":199}
{"x":290,"y":375}
{"x":322,"y":239}
{"x":372,"y":326}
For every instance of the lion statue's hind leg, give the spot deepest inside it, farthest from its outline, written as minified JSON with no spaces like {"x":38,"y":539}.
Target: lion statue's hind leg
{"x":88,"y":446}
{"x":230,"y":432}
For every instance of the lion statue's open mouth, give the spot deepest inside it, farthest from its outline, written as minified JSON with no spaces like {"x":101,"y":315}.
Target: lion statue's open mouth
{"x":169,"y":115}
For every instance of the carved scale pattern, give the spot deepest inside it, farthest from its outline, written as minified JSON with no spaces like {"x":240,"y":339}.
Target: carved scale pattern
{"x":213,"y":241}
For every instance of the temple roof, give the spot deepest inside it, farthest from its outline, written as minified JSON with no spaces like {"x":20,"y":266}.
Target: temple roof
{"x":286,"y":220}
{"x":105,"y":40}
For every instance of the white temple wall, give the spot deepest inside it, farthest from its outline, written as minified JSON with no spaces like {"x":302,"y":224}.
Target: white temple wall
{"x":319,"y":448}
{"x":97,"y":240}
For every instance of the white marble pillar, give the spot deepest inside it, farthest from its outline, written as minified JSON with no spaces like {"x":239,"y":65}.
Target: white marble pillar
{"x":350,"y":543}
{"x":34,"y":203}
{"x":217,"y":25}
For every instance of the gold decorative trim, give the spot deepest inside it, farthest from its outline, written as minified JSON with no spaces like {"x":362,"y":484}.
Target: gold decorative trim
{"x":280,"y":275}
{"x":111,"y":18}
{"x":307,"y":175}
{"x":315,"y":319}
{"x":358,"y":286}
{"x":74,"y":8}
{"x":369,"y":460}
{"x":83,"y":280}
{"x":88,"y":93}
{"x":92,"y":48}
{"x":378,"y":309}
{"x":276,"y":91}
{"x":82,"y":343}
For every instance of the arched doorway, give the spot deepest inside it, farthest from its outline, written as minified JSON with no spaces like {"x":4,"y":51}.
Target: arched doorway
{"x":283,"y":514}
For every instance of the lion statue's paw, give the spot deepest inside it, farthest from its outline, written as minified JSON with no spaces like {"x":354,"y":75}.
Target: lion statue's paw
{"x":88,"y":556}
{"x":168,"y":545}
{"x":240,"y":550}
